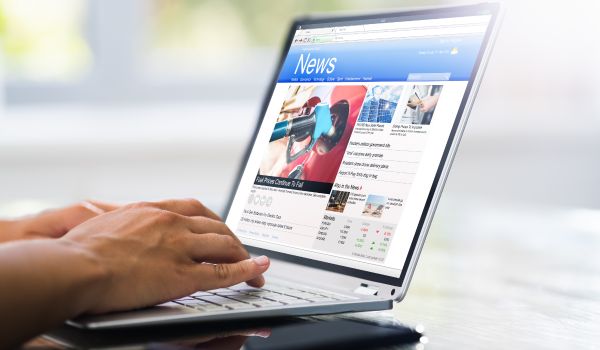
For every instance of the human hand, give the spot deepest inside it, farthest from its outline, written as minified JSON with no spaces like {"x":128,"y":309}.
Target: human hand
{"x":52,"y":223}
{"x":428,"y":103}
{"x":155,"y":252}
{"x":413,"y":102}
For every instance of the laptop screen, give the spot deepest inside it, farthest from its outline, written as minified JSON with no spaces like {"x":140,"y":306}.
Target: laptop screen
{"x":357,"y":125}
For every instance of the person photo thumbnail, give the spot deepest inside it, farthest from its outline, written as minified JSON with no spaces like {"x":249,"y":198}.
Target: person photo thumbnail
{"x":380,"y":104}
{"x":311,"y":134}
{"x":422,"y":100}
{"x":374,"y":206}
{"x":337,"y":201}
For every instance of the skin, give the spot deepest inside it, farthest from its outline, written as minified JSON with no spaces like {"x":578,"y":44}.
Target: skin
{"x":53,"y":223}
{"x":94,"y":258}
{"x":428,"y":103}
{"x":413,"y":102}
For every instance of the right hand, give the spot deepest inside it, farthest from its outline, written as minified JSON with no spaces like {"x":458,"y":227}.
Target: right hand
{"x":156,"y":252}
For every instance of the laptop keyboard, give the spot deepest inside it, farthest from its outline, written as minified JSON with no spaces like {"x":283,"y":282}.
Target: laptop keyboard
{"x":242,"y":297}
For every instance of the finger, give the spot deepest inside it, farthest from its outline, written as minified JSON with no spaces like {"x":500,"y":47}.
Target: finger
{"x":104,"y":206}
{"x":256,"y":282}
{"x":225,"y":275}
{"x":55,"y":223}
{"x":201,"y":224}
{"x":229,"y":244}
{"x":215,"y":248}
{"x":186,"y":207}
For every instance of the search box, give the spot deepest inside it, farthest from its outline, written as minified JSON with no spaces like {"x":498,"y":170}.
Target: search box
{"x":428,"y":76}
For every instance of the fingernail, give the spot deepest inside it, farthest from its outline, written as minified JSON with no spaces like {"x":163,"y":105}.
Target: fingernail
{"x":261,"y":260}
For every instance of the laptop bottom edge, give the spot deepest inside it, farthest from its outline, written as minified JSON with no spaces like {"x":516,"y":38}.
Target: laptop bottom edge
{"x":161,"y":315}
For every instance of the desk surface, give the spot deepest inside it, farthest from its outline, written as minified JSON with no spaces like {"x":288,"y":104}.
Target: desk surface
{"x":505,"y":277}
{"x":508,"y":277}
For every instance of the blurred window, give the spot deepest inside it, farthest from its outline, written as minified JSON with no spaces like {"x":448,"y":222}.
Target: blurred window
{"x":42,"y":40}
{"x":107,"y":51}
{"x":208,"y":37}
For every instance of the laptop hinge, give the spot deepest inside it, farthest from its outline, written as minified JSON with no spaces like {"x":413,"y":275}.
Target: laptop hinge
{"x":365,"y":289}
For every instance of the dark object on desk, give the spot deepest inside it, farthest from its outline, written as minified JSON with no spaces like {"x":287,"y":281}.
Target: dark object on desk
{"x":290,"y":333}
{"x":342,"y":334}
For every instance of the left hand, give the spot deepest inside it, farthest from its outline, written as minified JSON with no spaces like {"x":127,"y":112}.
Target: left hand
{"x":52,"y":223}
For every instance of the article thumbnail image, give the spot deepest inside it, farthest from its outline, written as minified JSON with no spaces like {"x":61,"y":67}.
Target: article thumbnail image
{"x":380,"y":104}
{"x":337,"y":201}
{"x":421,"y":103}
{"x":374,"y":206}
{"x":312,"y":132}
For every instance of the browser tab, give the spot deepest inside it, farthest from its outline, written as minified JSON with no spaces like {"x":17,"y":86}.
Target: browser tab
{"x":350,"y":29}
{"x":317,"y":31}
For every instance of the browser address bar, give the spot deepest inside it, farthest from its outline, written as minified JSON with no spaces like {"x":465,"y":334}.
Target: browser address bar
{"x":398,"y":34}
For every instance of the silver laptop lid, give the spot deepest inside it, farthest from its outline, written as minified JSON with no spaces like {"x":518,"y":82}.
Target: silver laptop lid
{"x":355,"y":138}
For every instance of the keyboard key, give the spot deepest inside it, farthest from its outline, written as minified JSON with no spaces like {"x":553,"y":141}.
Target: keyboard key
{"x":186,"y":298}
{"x":215,"y":299}
{"x":228,"y":303}
{"x":244,"y":288}
{"x":295,"y":301}
{"x":169,"y":303}
{"x":220,"y":290}
{"x":265,"y":302}
{"x":244,"y":298}
{"x":190,"y":302}
{"x":209,"y":307}
{"x":276,"y":296}
{"x":278,"y":289}
{"x":320,"y":299}
{"x":333,"y":295}
{"x":241,"y":306}
{"x":301,"y":295}
{"x":229,"y":292}
{"x":262,"y":293}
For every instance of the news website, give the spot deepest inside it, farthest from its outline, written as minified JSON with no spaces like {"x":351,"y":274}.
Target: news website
{"x":352,"y":138}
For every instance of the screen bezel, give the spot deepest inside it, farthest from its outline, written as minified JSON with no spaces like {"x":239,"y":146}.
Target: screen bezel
{"x":433,"y":13}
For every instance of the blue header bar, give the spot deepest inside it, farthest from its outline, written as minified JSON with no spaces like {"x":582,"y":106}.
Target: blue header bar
{"x":414,"y":59}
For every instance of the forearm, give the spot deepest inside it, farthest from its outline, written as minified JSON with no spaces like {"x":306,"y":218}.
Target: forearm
{"x":8,"y":230}
{"x":44,"y":283}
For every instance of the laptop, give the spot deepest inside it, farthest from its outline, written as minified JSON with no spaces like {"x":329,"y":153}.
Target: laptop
{"x":347,"y":163}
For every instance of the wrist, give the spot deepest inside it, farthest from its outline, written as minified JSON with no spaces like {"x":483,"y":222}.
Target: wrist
{"x":90,"y":277}
{"x":9,"y":230}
